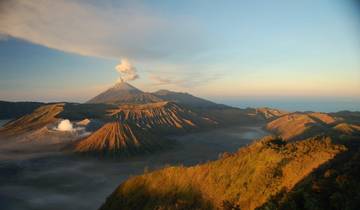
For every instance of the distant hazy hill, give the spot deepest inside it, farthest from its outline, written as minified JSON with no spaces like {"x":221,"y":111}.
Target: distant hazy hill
{"x":348,"y":116}
{"x":299,"y":125}
{"x":270,"y":113}
{"x":123,"y":93}
{"x":11,"y":110}
{"x":186,"y":99}
{"x":243,"y":180}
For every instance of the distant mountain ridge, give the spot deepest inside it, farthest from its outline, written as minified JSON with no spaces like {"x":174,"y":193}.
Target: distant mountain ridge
{"x":122,"y":93}
{"x":300,"y":125}
{"x":186,"y":99}
{"x":270,"y":113}
{"x":11,"y":110}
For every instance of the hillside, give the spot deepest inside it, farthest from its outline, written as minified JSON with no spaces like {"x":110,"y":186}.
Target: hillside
{"x":299,"y":125}
{"x":336,"y":185}
{"x":49,"y":114}
{"x":269,"y":113}
{"x":162,"y":117}
{"x":223,"y":114}
{"x":230,"y":116}
{"x":348,"y":129}
{"x":348,"y":116}
{"x":245,"y":179}
{"x":140,"y":128}
{"x":120,"y":139}
{"x":294,"y":126}
{"x":186,"y":99}
{"x":12,"y":110}
{"x":124,"y":93}
{"x":39,"y":118}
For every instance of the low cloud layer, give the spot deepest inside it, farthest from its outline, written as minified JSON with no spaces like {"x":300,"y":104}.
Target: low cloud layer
{"x":109,"y":29}
{"x":126,"y":70}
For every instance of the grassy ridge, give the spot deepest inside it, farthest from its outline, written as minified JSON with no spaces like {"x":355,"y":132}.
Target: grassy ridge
{"x":334,"y":186}
{"x":245,"y":179}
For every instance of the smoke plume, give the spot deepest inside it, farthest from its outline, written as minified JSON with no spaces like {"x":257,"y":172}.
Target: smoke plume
{"x":65,"y":125}
{"x":127,"y":70}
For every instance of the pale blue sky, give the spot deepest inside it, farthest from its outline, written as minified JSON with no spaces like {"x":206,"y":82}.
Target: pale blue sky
{"x":223,"y":50}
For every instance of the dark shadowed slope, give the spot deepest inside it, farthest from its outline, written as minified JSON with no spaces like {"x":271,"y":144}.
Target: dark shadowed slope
{"x":247,"y":178}
{"x":223,"y":114}
{"x":123,"y":92}
{"x":11,"y":110}
{"x":186,"y":99}
{"x":348,"y":116}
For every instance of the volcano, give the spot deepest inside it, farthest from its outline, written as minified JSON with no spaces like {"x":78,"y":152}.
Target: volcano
{"x":124,"y":93}
{"x":161,"y":117}
{"x":140,"y":128}
{"x":120,"y":139}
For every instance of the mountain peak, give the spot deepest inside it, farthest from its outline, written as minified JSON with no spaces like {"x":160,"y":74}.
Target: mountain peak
{"x":124,"y":86}
{"x":122,"y":93}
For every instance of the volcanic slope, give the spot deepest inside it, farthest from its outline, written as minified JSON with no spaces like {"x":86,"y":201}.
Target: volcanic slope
{"x":187,"y":99}
{"x":39,"y":118}
{"x":124,"y":93}
{"x":162,"y":117}
{"x":120,"y":139}
{"x":140,"y":128}
{"x":243,"y":180}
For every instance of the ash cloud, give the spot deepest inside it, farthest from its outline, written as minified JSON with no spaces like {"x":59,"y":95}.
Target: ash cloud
{"x":126,"y":70}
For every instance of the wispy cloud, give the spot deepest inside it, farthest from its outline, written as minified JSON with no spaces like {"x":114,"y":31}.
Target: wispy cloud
{"x":112,"y":30}
{"x":105,"y":30}
{"x":184,"y":81}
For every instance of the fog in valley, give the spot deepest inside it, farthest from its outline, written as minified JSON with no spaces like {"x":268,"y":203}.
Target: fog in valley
{"x":39,"y":179}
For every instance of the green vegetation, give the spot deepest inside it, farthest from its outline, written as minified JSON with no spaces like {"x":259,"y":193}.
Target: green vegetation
{"x":244,"y":180}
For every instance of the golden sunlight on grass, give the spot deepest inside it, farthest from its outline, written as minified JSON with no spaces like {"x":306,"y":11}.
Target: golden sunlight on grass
{"x":246,"y":179}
